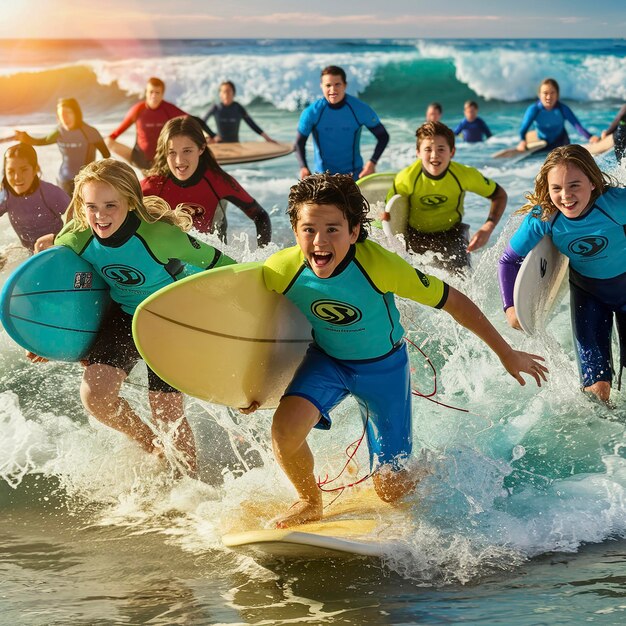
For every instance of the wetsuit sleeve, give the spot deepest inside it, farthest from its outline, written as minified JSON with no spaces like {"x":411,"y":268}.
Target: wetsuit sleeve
{"x":381,"y":134}
{"x":459,"y":128}
{"x":300,"y":149}
{"x":530,"y":233}
{"x":280,"y":269}
{"x":508,"y":269}
{"x":205,"y":119}
{"x":55,"y":199}
{"x":529,"y":118}
{"x":404,"y":181}
{"x":618,"y":118}
{"x":205,"y":127}
{"x":101,"y":146}
{"x":77,"y":241}
{"x":42,"y":141}
{"x":473,"y":180}
{"x":568,"y":114}
{"x":390,"y":273}
{"x":487,"y":132}
{"x":249,"y":121}
{"x":129,"y":120}
{"x":170,"y":242}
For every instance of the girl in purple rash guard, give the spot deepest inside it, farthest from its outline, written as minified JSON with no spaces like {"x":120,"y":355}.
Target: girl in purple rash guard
{"x":34,"y":206}
{"x":577,"y":205}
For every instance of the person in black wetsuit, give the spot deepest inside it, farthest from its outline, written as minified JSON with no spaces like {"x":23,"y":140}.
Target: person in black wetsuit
{"x":618,"y":130}
{"x":228,"y":115}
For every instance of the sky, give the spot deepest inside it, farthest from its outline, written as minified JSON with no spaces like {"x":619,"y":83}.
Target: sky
{"x":206,"y":19}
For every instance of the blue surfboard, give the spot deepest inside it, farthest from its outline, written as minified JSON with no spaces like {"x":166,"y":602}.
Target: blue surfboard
{"x":53,"y":304}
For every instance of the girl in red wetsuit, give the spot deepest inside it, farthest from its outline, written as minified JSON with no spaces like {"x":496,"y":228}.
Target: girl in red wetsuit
{"x":185,"y":172}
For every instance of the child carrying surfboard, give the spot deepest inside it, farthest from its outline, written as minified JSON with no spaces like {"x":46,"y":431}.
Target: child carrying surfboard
{"x":579,"y":207}
{"x":435,"y":187}
{"x":137,"y":245}
{"x":345,"y":285}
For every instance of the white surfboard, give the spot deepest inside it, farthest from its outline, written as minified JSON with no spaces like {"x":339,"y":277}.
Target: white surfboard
{"x":538,"y":286}
{"x":249,"y":151}
{"x":221,"y":336}
{"x":375,"y":188}
{"x":533,"y":144}
{"x":600,"y":147}
{"x":338,"y":539}
{"x":396,"y":216}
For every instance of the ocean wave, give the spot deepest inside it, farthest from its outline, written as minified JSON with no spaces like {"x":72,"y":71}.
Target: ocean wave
{"x":513,"y":75}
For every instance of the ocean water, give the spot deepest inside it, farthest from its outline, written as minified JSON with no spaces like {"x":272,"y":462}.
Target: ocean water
{"x":522,"y":517}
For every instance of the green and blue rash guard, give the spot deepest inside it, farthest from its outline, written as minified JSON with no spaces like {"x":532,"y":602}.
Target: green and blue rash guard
{"x":352,"y":312}
{"x":436,"y":203}
{"x":140,"y":258}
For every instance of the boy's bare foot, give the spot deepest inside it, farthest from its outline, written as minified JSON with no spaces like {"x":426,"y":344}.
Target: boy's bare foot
{"x":302,"y":512}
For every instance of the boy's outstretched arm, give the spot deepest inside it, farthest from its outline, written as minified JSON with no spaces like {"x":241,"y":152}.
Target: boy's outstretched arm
{"x":496,"y":210}
{"x":466,"y":313}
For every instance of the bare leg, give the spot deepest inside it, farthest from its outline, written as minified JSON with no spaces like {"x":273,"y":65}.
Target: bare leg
{"x":601,"y":389}
{"x":120,"y":149}
{"x":99,"y":392}
{"x":293,"y":420}
{"x":167,"y":408}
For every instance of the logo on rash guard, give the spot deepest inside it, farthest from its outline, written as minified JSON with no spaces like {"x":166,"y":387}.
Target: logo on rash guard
{"x":333,"y":312}
{"x":433,"y":200}
{"x":124,"y":275}
{"x":588,"y":246}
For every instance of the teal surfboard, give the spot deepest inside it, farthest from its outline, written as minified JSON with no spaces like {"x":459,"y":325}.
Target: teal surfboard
{"x":53,"y":304}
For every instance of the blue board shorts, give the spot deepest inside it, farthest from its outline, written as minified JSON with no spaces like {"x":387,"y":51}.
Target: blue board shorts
{"x":382,"y":388}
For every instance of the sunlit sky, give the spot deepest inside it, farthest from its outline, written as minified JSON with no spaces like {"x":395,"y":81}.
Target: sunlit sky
{"x":323,"y":18}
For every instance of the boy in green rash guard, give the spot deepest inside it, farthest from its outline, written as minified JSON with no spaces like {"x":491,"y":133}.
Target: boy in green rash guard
{"x":137,"y":245}
{"x":436,"y":187}
{"x":345,"y":285}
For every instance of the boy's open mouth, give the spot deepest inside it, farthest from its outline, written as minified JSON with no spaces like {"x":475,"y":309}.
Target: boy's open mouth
{"x":322,"y":258}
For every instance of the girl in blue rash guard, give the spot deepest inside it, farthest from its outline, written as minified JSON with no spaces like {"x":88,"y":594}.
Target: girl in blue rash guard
{"x":34,"y":206}
{"x":345,"y":285}
{"x":77,"y":142}
{"x":137,"y":245}
{"x":549,"y":116}
{"x":575,"y":204}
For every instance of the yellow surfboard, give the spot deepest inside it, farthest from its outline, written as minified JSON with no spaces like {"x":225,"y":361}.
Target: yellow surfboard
{"x":600,"y":147}
{"x":533,"y":144}
{"x":249,"y":151}
{"x":221,"y":336}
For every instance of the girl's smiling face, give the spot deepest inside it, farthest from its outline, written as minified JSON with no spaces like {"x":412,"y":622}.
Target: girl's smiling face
{"x":570,"y":190}
{"x":324,"y":236}
{"x":183,"y":156}
{"x":106,"y":209}
{"x":20,"y":174}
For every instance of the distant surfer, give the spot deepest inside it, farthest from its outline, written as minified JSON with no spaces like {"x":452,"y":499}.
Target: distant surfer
{"x":345,"y":285}
{"x":137,"y":245}
{"x":185,"y":172}
{"x":618,"y":130}
{"x":549,"y":115}
{"x":577,"y":205}
{"x":335,"y":121}
{"x":149,"y":117}
{"x":435,"y":187}
{"x":77,"y":142}
{"x":473,"y":128}
{"x":35,"y":207}
{"x":434,"y":111}
{"x":228,"y":115}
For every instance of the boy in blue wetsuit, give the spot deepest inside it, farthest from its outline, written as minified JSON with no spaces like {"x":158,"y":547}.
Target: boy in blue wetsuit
{"x":345,"y":285}
{"x":575,"y":204}
{"x":336,"y":121}
{"x":473,"y":128}
{"x":549,"y":115}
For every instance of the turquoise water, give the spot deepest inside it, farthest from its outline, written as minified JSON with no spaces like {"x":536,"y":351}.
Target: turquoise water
{"x":523,"y":516}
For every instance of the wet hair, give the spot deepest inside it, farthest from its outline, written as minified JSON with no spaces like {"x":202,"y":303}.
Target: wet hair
{"x":572,"y":155}
{"x":552,"y":82}
{"x":338,"y":190}
{"x":224,"y":83}
{"x":123,"y":179}
{"x":429,"y":130}
{"x":471,"y":103}
{"x":435,"y":105}
{"x":181,"y":126}
{"x":334,"y":70}
{"x":156,"y":82}
{"x":20,"y":151}
{"x":72,"y":104}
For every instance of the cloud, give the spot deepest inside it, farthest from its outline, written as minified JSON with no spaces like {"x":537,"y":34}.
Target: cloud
{"x":318,"y":19}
